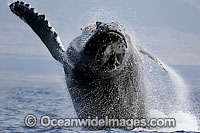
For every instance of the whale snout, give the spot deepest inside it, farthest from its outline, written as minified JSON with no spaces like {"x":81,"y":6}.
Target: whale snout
{"x":105,"y":27}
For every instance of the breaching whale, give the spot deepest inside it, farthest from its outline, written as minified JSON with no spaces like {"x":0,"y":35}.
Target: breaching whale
{"x":103,"y":68}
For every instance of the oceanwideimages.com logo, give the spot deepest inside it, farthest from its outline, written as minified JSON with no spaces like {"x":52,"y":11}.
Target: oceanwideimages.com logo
{"x":46,"y":121}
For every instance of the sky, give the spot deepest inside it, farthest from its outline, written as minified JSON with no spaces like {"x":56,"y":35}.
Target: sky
{"x":170,"y":29}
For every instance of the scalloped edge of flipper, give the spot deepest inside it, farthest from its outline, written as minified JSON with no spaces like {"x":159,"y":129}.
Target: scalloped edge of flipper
{"x":41,"y":26}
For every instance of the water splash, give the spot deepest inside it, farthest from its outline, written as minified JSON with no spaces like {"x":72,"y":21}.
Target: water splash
{"x":184,"y":121}
{"x":181,"y":89}
{"x":170,"y":98}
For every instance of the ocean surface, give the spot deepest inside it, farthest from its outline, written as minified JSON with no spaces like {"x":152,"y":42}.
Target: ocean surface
{"x":41,"y":94}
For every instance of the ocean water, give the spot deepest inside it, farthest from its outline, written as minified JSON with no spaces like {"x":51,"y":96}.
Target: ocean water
{"x":40,"y":96}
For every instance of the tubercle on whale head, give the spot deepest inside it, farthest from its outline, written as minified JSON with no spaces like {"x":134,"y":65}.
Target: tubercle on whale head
{"x":107,"y":45}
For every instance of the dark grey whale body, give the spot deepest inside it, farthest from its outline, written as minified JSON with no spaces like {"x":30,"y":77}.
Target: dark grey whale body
{"x":104,"y":72}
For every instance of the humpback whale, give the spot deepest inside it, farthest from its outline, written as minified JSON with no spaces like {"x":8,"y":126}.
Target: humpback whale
{"x":103,"y":68}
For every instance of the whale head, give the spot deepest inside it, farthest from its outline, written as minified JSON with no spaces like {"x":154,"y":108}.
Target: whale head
{"x":101,"y":48}
{"x":106,"y":46}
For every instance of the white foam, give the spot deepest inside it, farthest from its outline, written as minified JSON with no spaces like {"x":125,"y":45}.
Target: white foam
{"x":184,"y":121}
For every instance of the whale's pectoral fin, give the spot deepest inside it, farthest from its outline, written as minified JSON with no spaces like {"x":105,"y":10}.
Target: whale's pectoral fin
{"x":41,"y":27}
{"x":143,"y":51}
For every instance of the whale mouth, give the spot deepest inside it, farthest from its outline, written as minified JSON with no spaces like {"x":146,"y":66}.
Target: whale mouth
{"x":111,"y":52}
{"x":106,"y":50}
